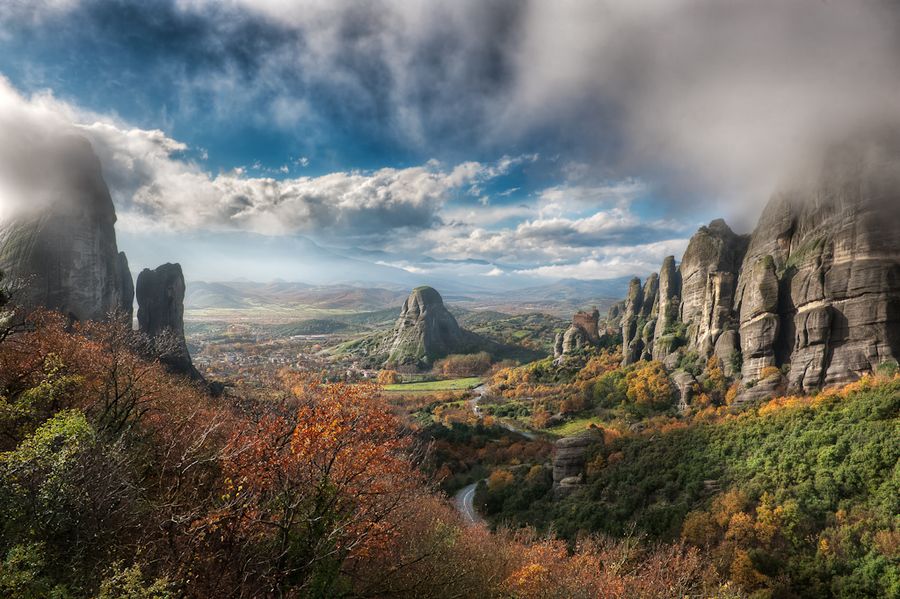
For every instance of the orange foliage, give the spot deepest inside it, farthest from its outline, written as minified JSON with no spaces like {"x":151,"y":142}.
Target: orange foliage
{"x":649,"y":386}
{"x":388,"y":377}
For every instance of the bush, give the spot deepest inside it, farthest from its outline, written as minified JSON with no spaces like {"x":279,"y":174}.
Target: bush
{"x":388,"y":377}
{"x":463,"y":364}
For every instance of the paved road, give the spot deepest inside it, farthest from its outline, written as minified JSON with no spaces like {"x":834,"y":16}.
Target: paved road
{"x":464,"y":500}
{"x":478,"y":394}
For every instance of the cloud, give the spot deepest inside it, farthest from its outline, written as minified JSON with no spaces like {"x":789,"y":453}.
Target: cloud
{"x":710,"y":102}
{"x":157,"y":186}
{"x":613,"y":262}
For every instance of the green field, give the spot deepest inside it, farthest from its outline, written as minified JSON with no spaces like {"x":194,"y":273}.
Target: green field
{"x":448,"y":385}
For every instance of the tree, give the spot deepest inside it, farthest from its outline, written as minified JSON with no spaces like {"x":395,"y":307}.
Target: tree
{"x":649,"y":387}
{"x":302,"y":495}
{"x":388,"y":377}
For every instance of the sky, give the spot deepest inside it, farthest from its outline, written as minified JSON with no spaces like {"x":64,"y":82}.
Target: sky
{"x":502,"y":143}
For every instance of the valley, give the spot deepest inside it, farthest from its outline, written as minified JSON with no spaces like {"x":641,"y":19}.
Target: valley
{"x":445,"y":300}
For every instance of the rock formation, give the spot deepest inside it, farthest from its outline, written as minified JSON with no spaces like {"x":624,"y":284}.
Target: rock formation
{"x":814,"y":292}
{"x":582,"y":333}
{"x":668,"y":308}
{"x":65,"y":253}
{"x":709,"y":272}
{"x":632,"y":345}
{"x":426,"y":331}
{"x":569,"y":457}
{"x":160,"y":297}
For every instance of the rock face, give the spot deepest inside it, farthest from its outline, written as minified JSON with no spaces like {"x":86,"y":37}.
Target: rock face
{"x":632,"y":345}
{"x":709,"y":273}
{"x":582,"y":333}
{"x":160,"y":296}
{"x":814,"y":292}
{"x":427,"y":331}
{"x":569,"y":457}
{"x":667,"y":309}
{"x":822,"y":291}
{"x":66,"y":253}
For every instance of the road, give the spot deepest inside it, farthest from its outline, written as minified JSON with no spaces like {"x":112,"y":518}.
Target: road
{"x":464,"y":500}
{"x":478,"y":394}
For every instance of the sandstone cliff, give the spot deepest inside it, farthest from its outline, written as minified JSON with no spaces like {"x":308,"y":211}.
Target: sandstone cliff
{"x":426,"y":331}
{"x":160,"y":297}
{"x":813,"y":293}
{"x":65,"y":253}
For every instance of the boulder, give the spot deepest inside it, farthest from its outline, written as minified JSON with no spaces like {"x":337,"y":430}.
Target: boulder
{"x":687,"y":388}
{"x":569,"y":458}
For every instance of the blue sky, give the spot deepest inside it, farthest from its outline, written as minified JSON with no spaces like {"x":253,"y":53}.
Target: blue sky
{"x":504,"y":142}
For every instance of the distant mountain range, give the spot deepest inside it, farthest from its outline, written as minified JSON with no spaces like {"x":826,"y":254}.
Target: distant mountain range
{"x":366,"y":297}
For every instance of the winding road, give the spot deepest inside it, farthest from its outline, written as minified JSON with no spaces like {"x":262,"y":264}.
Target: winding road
{"x":478,"y":394}
{"x":464,"y":500}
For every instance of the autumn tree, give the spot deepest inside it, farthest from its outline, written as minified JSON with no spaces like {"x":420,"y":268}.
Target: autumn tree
{"x":388,"y":377}
{"x":649,"y":387}
{"x":303,"y":494}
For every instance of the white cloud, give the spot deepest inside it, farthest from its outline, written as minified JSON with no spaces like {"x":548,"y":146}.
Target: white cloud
{"x":613,"y":262}
{"x":156,"y":186}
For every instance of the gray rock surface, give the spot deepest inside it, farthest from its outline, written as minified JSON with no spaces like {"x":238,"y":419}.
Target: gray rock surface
{"x":631,"y":323}
{"x":813,"y":292}
{"x":709,"y":272}
{"x":160,"y":297}
{"x":569,"y":458}
{"x":65,"y":252}
{"x":687,"y":388}
{"x":427,"y":331}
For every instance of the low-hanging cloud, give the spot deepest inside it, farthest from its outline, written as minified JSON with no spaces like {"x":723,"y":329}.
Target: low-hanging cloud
{"x":156,"y":187}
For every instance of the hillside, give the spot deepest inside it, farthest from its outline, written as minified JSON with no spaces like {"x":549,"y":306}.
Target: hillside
{"x":797,"y":497}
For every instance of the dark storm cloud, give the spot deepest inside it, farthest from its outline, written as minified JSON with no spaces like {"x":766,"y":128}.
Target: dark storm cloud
{"x":709,"y":103}
{"x":704,"y":96}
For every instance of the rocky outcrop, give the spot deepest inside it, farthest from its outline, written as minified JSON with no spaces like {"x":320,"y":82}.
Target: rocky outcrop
{"x":65,"y":252}
{"x":584,"y":332}
{"x":427,"y":331}
{"x":667,"y":309}
{"x":631,"y":316}
{"x":613,"y":325}
{"x":687,"y":389}
{"x":569,"y":459}
{"x":160,"y":297}
{"x":709,"y":273}
{"x":824,"y":263}
{"x":810,"y":299}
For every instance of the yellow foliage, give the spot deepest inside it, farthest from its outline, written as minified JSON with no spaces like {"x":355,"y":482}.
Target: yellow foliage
{"x":699,"y":529}
{"x":769,"y":371}
{"x":650,"y":386}
{"x":743,"y":572}
{"x":727,"y":504}
{"x":740,"y":529}
{"x":388,"y":377}
{"x":500,"y":479}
